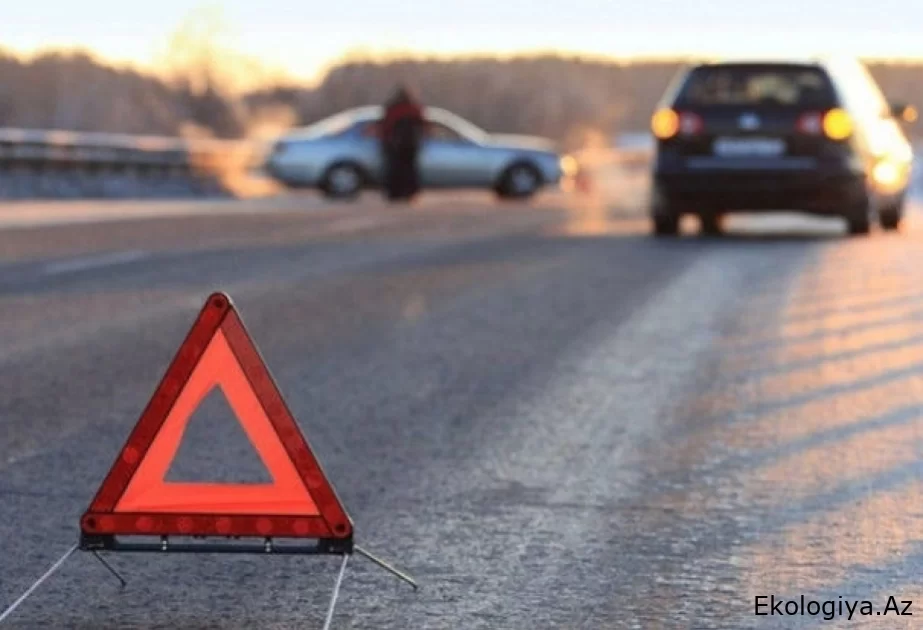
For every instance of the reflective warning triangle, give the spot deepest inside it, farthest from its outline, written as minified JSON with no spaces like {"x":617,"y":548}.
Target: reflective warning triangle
{"x":135,"y":498}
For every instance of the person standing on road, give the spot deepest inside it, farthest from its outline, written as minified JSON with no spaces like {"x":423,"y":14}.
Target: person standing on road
{"x":401,"y":135}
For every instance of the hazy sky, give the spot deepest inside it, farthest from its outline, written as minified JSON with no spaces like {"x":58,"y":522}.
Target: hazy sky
{"x":305,"y":35}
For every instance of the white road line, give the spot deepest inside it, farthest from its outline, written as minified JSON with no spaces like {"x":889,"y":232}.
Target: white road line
{"x":351,"y":224}
{"x":93,"y":262}
{"x":35,"y":214}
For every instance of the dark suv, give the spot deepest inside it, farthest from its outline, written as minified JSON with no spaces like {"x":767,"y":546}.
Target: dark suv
{"x":815,"y":137}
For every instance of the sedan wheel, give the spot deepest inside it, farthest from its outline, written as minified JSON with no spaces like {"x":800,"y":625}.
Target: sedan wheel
{"x":342,"y":181}
{"x":520,"y":181}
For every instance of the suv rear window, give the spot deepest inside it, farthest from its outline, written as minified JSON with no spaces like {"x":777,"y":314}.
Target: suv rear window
{"x":755,"y":85}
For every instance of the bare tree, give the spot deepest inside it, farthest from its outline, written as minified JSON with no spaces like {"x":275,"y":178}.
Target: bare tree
{"x":575,"y":100}
{"x":192,"y":58}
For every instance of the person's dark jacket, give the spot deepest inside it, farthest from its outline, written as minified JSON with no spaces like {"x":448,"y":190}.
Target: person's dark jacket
{"x":402,"y":126}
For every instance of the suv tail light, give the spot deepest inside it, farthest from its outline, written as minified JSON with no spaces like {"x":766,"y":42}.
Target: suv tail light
{"x":835,"y":124}
{"x":667,"y":123}
{"x":838,"y":125}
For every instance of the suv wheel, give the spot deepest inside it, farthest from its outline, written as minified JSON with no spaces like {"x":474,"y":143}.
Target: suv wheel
{"x":858,"y":225}
{"x":890,"y":216}
{"x":857,"y":219}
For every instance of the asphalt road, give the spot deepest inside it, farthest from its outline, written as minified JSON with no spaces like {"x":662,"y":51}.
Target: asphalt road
{"x":546,"y":416}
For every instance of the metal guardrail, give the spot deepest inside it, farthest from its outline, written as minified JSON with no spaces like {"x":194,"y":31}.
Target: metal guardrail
{"x":51,"y":149}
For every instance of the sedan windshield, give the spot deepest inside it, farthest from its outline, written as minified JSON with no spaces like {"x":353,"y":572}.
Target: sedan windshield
{"x":463,"y":127}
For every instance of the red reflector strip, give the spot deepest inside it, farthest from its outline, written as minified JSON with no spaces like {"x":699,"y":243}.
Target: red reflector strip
{"x":812,"y":124}
{"x":212,"y":525}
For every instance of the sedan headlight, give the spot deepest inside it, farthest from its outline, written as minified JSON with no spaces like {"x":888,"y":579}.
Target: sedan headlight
{"x":568,"y":165}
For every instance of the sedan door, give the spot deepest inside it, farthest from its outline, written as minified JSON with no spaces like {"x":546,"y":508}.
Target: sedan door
{"x":449,"y":160}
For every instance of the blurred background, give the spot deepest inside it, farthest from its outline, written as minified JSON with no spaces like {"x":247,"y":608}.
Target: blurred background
{"x":586,"y":73}
{"x":236,"y":68}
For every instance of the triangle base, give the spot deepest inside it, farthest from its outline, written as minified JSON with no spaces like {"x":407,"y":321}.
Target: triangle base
{"x":209,"y":525}
{"x":269,"y":546}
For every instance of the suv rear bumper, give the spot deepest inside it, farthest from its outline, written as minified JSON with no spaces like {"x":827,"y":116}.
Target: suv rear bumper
{"x":835,"y":192}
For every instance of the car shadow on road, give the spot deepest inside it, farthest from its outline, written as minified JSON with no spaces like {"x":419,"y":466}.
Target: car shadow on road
{"x":593,"y":217}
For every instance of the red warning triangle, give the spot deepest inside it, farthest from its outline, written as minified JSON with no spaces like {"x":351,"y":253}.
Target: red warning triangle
{"x":135,"y":499}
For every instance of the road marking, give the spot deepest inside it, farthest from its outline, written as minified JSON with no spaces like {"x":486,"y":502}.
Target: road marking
{"x":354,"y":224}
{"x":25,"y":214}
{"x":93,"y":262}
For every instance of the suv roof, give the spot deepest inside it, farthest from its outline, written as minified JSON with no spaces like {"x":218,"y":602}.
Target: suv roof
{"x":819,"y":61}
{"x":770,"y":64}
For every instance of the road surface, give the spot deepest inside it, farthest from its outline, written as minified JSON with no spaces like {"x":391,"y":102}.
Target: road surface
{"x":546,"y":416}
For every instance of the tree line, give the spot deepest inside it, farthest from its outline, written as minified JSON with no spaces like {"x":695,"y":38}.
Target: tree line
{"x":568,"y":98}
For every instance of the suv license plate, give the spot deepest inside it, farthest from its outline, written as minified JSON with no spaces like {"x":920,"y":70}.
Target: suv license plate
{"x":749,"y":147}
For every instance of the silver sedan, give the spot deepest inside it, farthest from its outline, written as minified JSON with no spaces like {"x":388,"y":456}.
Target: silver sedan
{"x":340,"y":156}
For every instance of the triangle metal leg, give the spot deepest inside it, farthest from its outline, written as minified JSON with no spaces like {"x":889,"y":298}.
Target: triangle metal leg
{"x":376,"y":560}
{"x":387,"y":567}
{"x":336,"y":592}
{"x":330,"y":610}
{"x":111,"y":569}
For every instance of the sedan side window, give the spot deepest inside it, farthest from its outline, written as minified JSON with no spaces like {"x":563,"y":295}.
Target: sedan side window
{"x":371,"y":129}
{"x":438,"y":131}
{"x":432,"y":131}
